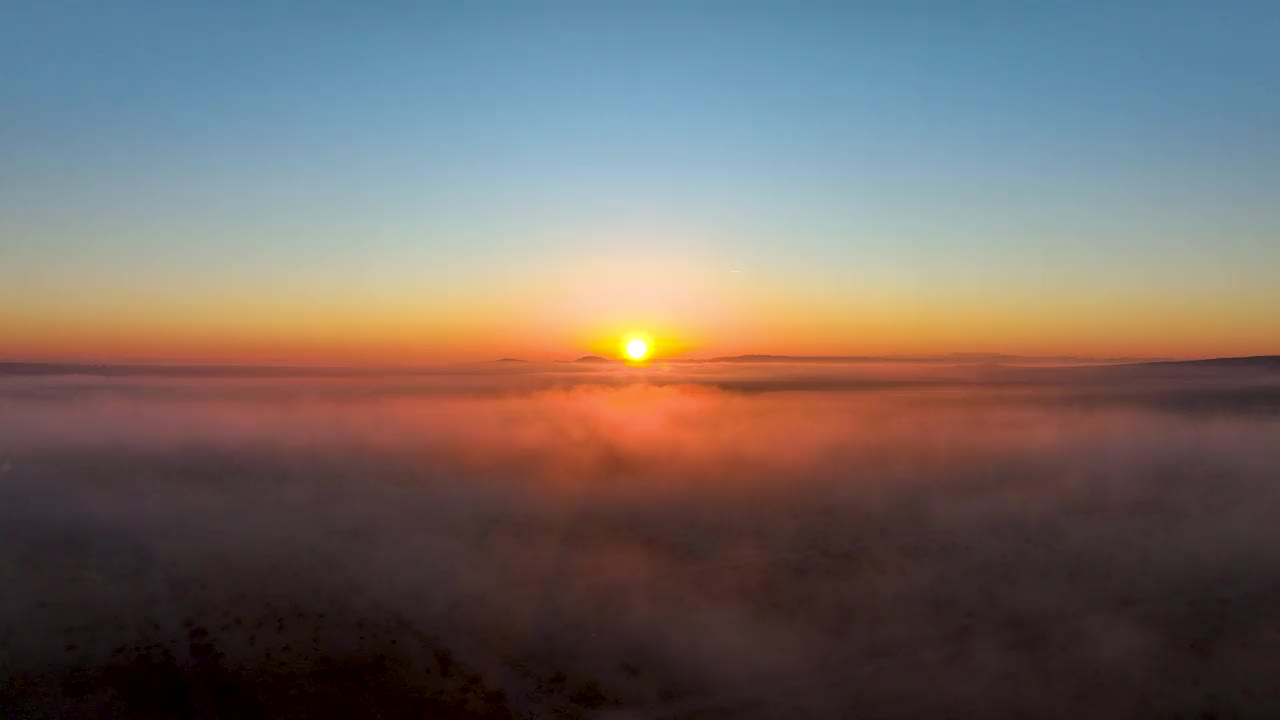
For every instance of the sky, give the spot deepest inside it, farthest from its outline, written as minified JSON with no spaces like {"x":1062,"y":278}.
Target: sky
{"x":397,"y":183}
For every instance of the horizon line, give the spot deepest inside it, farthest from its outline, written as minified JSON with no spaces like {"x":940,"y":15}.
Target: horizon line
{"x":13,"y":367}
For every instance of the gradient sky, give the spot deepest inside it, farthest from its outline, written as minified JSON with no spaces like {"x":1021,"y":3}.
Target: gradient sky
{"x":409,"y":182}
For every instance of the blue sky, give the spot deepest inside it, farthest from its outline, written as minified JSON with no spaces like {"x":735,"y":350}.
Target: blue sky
{"x":219,"y":147}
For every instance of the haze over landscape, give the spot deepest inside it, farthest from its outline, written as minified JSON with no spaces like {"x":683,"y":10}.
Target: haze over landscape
{"x":639,"y":360}
{"x":566,"y":540}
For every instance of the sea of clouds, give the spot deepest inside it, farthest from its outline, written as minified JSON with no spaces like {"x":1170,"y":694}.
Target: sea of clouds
{"x":748,"y":540}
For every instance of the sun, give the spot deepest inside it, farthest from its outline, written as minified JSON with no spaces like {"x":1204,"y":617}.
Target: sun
{"x":637,"y":349}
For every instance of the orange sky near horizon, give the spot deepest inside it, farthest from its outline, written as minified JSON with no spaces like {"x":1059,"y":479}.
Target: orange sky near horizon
{"x":688,"y":312}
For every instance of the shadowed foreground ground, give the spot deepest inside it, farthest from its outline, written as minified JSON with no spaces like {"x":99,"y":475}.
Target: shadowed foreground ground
{"x":391,"y":672}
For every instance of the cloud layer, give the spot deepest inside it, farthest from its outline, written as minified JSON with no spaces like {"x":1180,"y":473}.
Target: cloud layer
{"x":872,"y":542}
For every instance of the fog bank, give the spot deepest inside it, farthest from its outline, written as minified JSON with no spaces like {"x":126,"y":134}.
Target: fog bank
{"x":750,"y":541}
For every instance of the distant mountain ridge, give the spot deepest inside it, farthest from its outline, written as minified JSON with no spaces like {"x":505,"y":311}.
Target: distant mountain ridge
{"x":951,"y":357}
{"x":1249,"y":361}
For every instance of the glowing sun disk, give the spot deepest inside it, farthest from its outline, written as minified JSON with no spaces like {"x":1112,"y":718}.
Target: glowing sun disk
{"x":637,"y":349}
